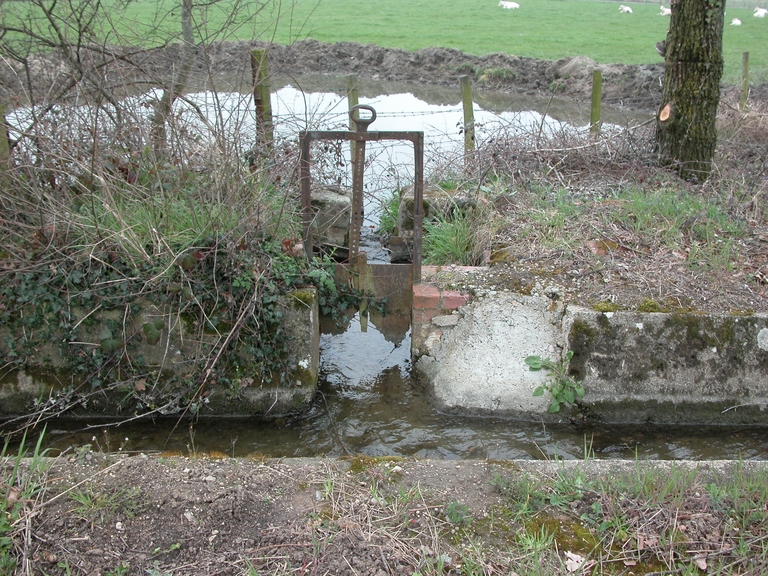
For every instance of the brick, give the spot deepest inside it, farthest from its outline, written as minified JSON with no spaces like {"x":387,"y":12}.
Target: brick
{"x":453,"y":299}
{"x":426,"y":296}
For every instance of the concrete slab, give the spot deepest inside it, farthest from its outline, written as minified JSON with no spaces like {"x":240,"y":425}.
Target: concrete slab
{"x":478,"y":366}
{"x":634,"y":367}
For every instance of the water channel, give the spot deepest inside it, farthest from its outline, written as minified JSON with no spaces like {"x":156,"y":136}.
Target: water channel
{"x":368,"y":402}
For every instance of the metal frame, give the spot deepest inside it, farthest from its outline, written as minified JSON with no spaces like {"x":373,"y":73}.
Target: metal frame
{"x":360,"y":137}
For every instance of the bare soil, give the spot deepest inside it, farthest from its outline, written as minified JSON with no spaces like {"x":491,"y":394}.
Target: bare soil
{"x":103,"y":515}
{"x":215,"y":516}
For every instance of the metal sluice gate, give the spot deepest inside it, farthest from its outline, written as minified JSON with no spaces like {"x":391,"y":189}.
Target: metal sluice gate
{"x":382,"y":279}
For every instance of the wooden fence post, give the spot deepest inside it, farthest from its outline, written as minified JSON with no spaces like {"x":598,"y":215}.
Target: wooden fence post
{"x":744,"y":81}
{"x":5,"y":150}
{"x":261,"y":96}
{"x":469,"y":115}
{"x":597,"y":94}
{"x":352,"y":101}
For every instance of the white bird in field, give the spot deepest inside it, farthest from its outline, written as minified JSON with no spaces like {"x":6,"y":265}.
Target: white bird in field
{"x":760,"y":12}
{"x":509,"y":5}
{"x":735,"y":22}
{"x":625,"y":9}
{"x":665,"y":11}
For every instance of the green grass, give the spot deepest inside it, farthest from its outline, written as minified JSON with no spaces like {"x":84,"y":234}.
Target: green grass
{"x":22,"y":480}
{"x":664,"y":218}
{"x":549,"y":29}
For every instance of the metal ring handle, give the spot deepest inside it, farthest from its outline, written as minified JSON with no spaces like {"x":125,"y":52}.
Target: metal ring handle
{"x":362,"y":123}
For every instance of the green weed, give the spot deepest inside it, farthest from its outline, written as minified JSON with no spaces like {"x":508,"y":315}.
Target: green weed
{"x":22,"y":481}
{"x":388,"y":214}
{"x":563,"y":387}
{"x":99,"y":505}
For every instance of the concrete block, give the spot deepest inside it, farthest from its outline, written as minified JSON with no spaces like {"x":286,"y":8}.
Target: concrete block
{"x":671,"y":368}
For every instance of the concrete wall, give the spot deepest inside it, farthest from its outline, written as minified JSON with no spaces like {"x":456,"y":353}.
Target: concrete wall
{"x":172,"y":365}
{"x":634,"y":367}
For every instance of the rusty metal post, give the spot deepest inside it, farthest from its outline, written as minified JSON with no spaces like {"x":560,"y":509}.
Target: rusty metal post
{"x":306,"y":197}
{"x":358,"y":170}
{"x":418,"y":203}
{"x":352,"y":101}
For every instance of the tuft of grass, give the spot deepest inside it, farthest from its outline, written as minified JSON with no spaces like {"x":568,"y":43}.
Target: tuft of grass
{"x":92,"y":504}
{"x":390,"y":206}
{"x":448,"y":241}
{"x":23,"y":477}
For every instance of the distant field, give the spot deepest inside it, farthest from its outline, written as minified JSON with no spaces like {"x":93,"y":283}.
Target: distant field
{"x":549,"y":29}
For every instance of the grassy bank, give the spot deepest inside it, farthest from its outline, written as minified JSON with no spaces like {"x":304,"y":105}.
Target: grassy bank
{"x":547,"y":29}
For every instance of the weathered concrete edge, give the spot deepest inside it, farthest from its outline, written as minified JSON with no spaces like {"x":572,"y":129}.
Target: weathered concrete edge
{"x":23,"y":391}
{"x":635,"y":367}
{"x":670,"y":368}
{"x":592,"y":467}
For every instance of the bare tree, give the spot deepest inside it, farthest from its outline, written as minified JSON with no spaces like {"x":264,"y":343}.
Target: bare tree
{"x":685,"y":124}
{"x":164,"y":106}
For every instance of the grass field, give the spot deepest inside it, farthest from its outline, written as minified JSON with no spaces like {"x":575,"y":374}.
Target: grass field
{"x":549,"y":29}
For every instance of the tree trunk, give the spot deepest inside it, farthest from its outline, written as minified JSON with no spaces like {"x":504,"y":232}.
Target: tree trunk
{"x":685,"y":124}
{"x":178,"y":84}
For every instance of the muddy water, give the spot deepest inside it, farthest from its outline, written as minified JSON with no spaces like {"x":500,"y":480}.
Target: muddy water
{"x":369,"y":404}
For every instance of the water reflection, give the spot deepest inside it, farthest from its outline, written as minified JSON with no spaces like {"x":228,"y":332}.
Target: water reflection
{"x":369,"y":404}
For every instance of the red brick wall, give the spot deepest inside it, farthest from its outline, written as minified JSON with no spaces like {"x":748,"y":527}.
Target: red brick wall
{"x":429,"y":302}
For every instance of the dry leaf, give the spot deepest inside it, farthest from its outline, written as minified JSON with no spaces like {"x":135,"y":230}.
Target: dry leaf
{"x":630,"y":563}
{"x":140,"y":385}
{"x":574,"y":562}
{"x":701,"y":562}
{"x":12,"y":496}
{"x":596,"y":247}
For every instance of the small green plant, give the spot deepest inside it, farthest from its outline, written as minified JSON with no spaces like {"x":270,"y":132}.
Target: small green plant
{"x":121,"y":570}
{"x":19,"y":487}
{"x":457,"y":513}
{"x":92,"y":504}
{"x":498,"y":74}
{"x":524,"y":494}
{"x":388,"y":215}
{"x":563,"y":388}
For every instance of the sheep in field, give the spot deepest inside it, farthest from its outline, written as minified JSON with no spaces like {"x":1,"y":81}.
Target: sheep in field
{"x":625,"y":9}
{"x":760,"y":12}
{"x":508,"y":5}
{"x":735,"y":22}
{"x":665,"y":11}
